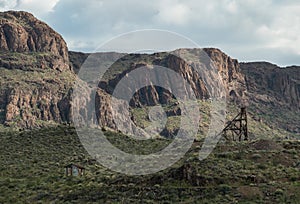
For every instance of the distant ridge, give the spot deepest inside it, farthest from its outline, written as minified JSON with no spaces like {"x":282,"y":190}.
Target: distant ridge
{"x":37,"y":74}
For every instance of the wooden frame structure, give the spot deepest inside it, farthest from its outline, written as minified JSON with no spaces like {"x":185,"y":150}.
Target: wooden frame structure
{"x":74,"y":170}
{"x":238,"y":127}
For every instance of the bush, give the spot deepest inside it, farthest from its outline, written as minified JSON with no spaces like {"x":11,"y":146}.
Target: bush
{"x":224,"y":188}
{"x":279,"y":192}
{"x":256,"y":156}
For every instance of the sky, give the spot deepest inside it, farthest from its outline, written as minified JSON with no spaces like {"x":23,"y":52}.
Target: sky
{"x":248,"y":30}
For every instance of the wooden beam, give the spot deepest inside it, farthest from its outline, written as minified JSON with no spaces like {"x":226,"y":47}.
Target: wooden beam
{"x":238,"y":126}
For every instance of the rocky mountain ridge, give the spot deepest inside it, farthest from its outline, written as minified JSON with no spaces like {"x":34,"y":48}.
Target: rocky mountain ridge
{"x":281,"y":84}
{"x":21,"y":32}
{"x":38,"y":75}
{"x":273,"y":93}
{"x":153,"y":95}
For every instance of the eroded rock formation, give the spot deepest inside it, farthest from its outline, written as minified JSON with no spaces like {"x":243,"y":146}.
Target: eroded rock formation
{"x":37,"y":80}
{"x":21,"y":32}
{"x":36,"y":76}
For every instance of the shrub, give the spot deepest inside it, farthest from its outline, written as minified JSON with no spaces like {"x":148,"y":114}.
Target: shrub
{"x":256,"y":156}
{"x":224,"y":188}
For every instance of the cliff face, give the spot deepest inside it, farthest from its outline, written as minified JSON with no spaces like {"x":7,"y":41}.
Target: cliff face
{"x":270,"y":92}
{"x":274,"y":94}
{"x":182,"y":61}
{"x":77,"y":59}
{"x":37,"y":80}
{"x":269,"y":83}
{"x":233,"y":79}
{"x":34,"y":98}
{"x":35,"y":74}
{"x":228,"y":68}
{"x":153,"y":95}
{"x":21,"y":32}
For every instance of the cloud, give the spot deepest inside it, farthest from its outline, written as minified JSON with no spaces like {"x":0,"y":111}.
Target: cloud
{"x":284,"y":32}
{"x":97,"y":21}
{"x":248,"y":29}
{"x":38,"y":7}
{"x":7,"y":4}
{"x":172,"y":12}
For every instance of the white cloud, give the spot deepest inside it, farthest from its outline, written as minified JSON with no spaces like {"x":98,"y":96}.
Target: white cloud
{"x":7,"y":4}
{"x":38,"y":7}
{"x":172,"y":12}
{"x":283,"y":32}
{"x":245,"y":29}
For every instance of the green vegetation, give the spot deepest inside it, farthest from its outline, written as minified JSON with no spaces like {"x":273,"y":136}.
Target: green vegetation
{"x":279,"y":121}
{"x":32,"y":171}
{"x":258,"y":129}
{"x":264,"y":170}
{"x":38,"y":78}
{"x":30,"y":87}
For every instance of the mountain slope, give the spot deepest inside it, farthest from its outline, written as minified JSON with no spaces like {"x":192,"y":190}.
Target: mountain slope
{"x":35,"y":74}
{"x":38,"y":73}
{"x":273,"y":111}
{"x":274,"y":94}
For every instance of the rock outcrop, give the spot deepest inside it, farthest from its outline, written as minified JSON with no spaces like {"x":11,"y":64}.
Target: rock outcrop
{"x":21,"y":32}
{"x":268,"y":83}
{"x":233,"y":80}
{"x":35,"y":72}
{"x":274,"y":94}
{"x":33,"y":108}
{"x":228,"y":68}
{"x":77,"y":59}
{"x":37,"y":80}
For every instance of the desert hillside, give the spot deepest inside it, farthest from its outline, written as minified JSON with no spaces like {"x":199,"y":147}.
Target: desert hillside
{"x":38,"y":73}
{"x":38,"y":139}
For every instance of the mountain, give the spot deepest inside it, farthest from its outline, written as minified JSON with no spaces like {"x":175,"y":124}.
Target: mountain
{"x":153,"y":95}
{"x":271,"y":93}
{"x":274,"y":94}
{"x":21,"y":32}
{"x":38,"y":75}
{"x":35,"y":74}
{"x":37,"y":80}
